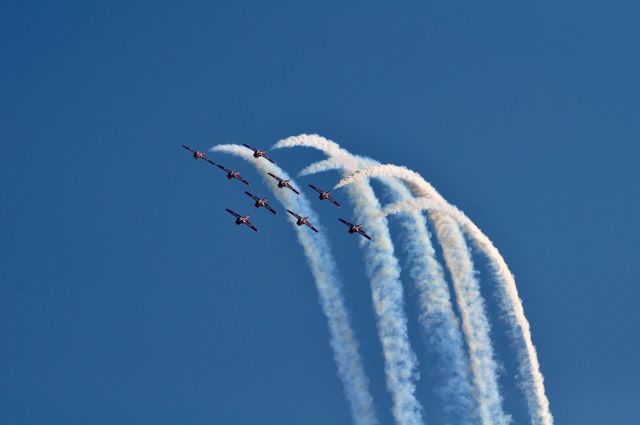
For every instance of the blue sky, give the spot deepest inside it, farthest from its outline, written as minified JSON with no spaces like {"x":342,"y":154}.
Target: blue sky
{"x":127,"y":295}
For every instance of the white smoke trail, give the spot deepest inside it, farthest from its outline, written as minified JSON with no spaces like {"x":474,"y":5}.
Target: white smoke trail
{"x":323,"y":267}
{"x":511,"y":304}
{"x":472,"y":311}
{"x":326,"y":165}
{"x":474,"y":319}
{"x":438,"y":321}
{"x":387,"y":292}
{"x":408,"y":206}
{"x":327,"y":146}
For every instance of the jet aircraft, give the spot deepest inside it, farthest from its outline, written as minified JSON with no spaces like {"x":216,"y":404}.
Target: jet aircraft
{"x":325,"y":195}
{"x":257,"y":153}
{"x":198,"y":155}
{"x":284,"y":183}
{"x":355,"y":228}
{"x":242,"y":219}
{"x":302,"y":220}
{"x":233,"y":174}
{"x":261,"y":202}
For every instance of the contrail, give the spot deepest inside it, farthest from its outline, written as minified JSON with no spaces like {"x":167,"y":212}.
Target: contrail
{"x":438,"y":321}
{"x":529,"y":366}
{"x":387,"y":292}
{"x":323,"y":267}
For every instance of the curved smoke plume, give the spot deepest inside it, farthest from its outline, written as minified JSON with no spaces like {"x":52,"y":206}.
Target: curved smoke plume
{"x":387,"y":292}
{"x":475,"y":324}
{"x":529,"y":366}
{"x":438,"y":322}
{"x":323,"y":267}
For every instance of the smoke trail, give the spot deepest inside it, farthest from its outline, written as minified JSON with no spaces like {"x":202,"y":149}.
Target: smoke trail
{"x":387,"y":293}
{"x":437,"y":318}
{"x":311,"y":141}
{"x":410,"y":205}
{"x":511,"y":304}
{"x":472,"y":311}
{"x":474,"y":319}
{"x":323,"y":267}
{"x":332,"y":163}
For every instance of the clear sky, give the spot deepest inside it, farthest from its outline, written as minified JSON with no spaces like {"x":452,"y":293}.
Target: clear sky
{"x":127,"y":295}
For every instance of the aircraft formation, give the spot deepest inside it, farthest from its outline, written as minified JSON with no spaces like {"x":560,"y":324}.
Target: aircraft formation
{"x":282,"y":184}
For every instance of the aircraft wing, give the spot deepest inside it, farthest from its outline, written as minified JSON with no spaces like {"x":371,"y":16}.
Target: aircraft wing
{"x":268,"y":158}
{"x":253,"y":196}
{"x":209,"y":161}
{"x":275,"y":177}
{"x":250,"y":147}
{"x":189,"y":149}
{"x":363,"y":233}
{"x":332,"y":199}
{"x":315,"y":188}
{"x":224,"y":168}
{"x":270,"y":208}
{"x":233,"y":213}
{"x":239,"y":177}
{"x":291,"y":187}
{"x":311,"y":226}
{"x":294,"y":214}
{"x":251,"y":226}
{"x":346,"y":222}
